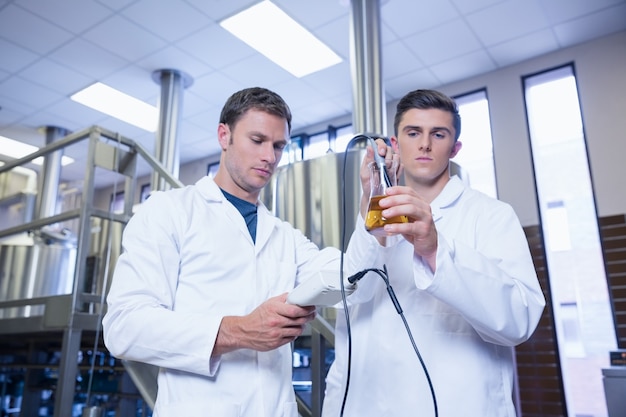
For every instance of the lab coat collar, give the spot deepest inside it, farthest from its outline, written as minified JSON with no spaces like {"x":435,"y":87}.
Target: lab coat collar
{"x":447,"y":197}
{"x":266,"y":222}
{"x":209,"y":189}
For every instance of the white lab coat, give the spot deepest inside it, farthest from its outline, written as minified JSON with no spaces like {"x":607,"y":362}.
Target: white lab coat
{"x":188,"y":260}
{"x":483,"y":299}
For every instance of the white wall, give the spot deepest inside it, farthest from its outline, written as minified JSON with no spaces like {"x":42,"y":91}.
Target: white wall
{"x":600,"y":68}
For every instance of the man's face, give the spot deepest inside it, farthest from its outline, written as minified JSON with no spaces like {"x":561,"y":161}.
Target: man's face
{"x":426,"y":143}
{"x":251,"y":152}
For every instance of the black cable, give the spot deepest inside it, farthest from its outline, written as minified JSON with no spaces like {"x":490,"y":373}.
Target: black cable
{"x":383,"y":274}
{"x":343,"y":249}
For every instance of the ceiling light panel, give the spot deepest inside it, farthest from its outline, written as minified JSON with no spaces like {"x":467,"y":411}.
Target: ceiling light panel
{"x":114,"y":103}
{"x":269,"y":30}
{"x":17,"y":150}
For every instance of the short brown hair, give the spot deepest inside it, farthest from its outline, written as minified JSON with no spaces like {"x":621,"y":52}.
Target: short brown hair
{"x":428,"y":99}
{"x":257,"y":98}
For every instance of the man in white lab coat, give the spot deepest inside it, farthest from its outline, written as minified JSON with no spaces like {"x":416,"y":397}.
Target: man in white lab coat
{"x":200,"y":288}
{"x":463,"y":277}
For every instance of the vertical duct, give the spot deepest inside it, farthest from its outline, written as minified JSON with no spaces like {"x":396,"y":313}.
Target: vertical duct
{"x":48,"y":186}
{"x":369,"y":114}
{"x":172,"y":84}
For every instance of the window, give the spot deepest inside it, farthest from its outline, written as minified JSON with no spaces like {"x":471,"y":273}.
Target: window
{"x":317,"y":145}
{"x":476,"y":155}
{"x":144,"y":193}
{"x":580,"y":298}
{"x":117,"y":202}
{"x":303,"y":147}
{"x":343,"y":136}
{"x":293,"y":151}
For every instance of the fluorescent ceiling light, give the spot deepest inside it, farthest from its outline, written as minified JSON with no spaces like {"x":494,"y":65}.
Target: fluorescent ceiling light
{"x":110,"y":101}
{"x":15,"y":149}
{"x":269,"y":30}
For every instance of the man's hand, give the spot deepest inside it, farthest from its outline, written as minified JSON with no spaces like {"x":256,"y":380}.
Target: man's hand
{"x":269,"y":326}
{"x":420,"y":230}
{"x":383,"y":150}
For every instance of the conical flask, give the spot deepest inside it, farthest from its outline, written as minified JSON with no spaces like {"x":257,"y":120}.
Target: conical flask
{"x":381,"y":178}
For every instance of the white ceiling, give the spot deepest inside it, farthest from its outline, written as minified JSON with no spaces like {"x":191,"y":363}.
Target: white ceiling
{"x":51,"y":49}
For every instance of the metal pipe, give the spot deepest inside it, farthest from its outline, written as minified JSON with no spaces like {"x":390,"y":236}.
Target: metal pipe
{"x":48,"y":186}
{"x":369,"y":114}
{"x":66,"y":386}
{"x":172,"y":84}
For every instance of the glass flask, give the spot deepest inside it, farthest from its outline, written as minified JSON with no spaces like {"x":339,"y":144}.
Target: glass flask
{"x":381,"y":178}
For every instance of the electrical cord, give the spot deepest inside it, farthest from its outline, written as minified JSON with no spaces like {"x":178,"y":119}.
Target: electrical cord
{"x":341,"y":262}
{"x":384,"y":275}
{"x":343,"y":249}
{"x":358,"y":276}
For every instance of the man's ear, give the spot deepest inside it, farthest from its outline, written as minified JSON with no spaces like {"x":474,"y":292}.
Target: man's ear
{"x":455,"y":149}
{"x":394,"y":143}
{"x":223,"y":135}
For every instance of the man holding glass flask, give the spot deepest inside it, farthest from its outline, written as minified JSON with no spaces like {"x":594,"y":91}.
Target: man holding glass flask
{"x":462,"y":277}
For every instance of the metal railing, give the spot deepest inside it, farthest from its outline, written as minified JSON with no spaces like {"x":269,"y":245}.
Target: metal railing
{"x":70,"y":317}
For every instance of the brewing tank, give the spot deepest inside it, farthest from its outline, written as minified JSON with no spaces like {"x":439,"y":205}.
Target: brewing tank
{"x":36,"y":264}
{"x":311,"y":195}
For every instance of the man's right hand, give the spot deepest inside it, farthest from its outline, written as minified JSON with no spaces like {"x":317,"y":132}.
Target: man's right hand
{"x":269,"y":326}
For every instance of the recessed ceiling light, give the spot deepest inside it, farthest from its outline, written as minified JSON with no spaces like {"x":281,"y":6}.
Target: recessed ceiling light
{"x":269,"y":30}
{"x":114,"y":103}
{"x":15,"y":149}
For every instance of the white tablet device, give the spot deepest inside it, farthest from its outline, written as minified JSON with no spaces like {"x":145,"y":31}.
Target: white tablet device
{"x":323,"y":289}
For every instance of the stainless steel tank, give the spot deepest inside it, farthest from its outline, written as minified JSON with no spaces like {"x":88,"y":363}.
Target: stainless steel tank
{"x":310,"y":195}
{"x":105,"y":247}
{"x":35,"y":265}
